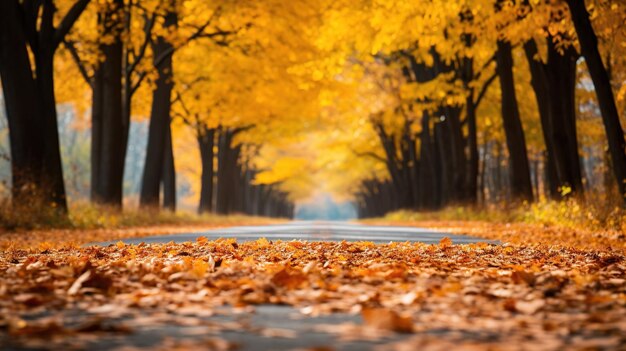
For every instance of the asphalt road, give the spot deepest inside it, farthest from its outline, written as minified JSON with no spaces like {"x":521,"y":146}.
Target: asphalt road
{"x":310,"y":333}
{"x":316,"y":231}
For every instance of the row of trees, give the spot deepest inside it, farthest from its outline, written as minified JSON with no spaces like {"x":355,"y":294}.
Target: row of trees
{"x":392,"y":105}
{"x":449,"y":62}
{"x":124,"y":61}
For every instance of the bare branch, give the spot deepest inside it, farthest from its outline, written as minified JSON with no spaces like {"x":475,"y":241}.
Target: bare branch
{"x":79,"y":63}
{"x":368,"y":154}
{"x":137,"y":57}
{"x":483,"y":90}
{"x":68,"y":21}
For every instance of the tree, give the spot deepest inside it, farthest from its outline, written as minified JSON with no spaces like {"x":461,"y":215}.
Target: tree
{"x":29,"y":26}
{"x":160,"y":133}
{"x":610,"y":116}
{"x":515,"y":140}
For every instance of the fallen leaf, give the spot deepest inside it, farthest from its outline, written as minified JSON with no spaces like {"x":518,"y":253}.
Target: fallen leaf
{"x":386,"y":319}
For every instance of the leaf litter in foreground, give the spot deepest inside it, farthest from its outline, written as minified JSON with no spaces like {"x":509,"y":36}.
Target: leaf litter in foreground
{"x":502,"y":297}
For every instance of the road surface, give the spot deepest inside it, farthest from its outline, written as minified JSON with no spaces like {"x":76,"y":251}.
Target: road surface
{"x":305,"y":331}
{"x":315,"y":231}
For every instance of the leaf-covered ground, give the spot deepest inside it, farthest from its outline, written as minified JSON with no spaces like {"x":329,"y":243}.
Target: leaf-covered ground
{"x":523,"y":233}
{"x":512,"y":296}
{"x":59,"y":238}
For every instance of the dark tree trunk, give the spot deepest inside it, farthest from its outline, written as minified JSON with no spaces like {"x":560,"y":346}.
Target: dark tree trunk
{"x":561,"y":77}
{"x":96,"y":133}
{"x":27,"y":24}
{"x":169,"y":173}
{"x":458,"y":159}
{"x":51,"y":178}
{"x":108,"y":136}
{"x":440,"y":166}
{"x":206,"y":140}
{"x":52,"y":171}
{"x":473,"y":159}
{"x":606,"y":100}
{"x":539,"y":82}
{"x":521,"y":187}
{"x":394,"y":167}
{"x":159,"y":120}
{"x":445,"y":163}
{"x":429,"y":180}
{"x":228,"y":157}
{"x":467,"y":75}
{"x":18,"y":85}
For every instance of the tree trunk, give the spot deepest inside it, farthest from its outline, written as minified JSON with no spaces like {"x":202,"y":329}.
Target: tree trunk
{"x":96,"y":133}
{"x":20,"y":90}
{"x":206,"y":138}
{"x":226,"y":172}
{"x":539,"y":82}
{"x":458,"y":158}
{"x":445,"y":163}
{"x":108,"y":146}
{"x":52,"y":170}
{"x":427,"y":171}
{"x":159,"y":121}
{"x":473,"y":160}
{"x":169,"y":173}
{"x":521,"y":187}
{"x":561,"y":73}
{"x":606,"y":100}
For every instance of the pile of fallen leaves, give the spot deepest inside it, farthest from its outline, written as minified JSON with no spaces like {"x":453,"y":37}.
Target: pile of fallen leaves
{"x":59,"y":238}
{"x":523,"y":233}
{"x":503,"y":297}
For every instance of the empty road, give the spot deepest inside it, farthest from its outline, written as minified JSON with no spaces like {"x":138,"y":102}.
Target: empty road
{"x":305,"y":331}
{"x":315,"y":231}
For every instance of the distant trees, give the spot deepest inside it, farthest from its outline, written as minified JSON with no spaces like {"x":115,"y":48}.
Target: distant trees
{"x":110,"y":50}
{"x":429,"y":136}
{"x":421,"y":104}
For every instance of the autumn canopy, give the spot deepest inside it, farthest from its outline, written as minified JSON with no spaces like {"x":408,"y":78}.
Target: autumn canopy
{"x":498,"y":122}
{"x":252,"y":106}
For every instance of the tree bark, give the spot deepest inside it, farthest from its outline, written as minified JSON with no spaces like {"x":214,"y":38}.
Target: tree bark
{"x":19,"y":86}
{"x":539,"y":82}
{"x":52,"y":170}
{"x":228,"y":157}
{"x":427,"y":172}
{"x":27,"y":24}
{"x":108,"y":136}
{"x":206,"y":141}
{"x":169,"y":173}
{"x":606,"y":100}
{"x":159,"y":121}
{"x":561,"y":78}
{"x":473,"y":159}
{"x":521,"y":187}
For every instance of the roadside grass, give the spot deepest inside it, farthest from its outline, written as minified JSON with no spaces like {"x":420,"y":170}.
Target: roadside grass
{"x":572,"y":213}
{"x":85,"y":215}
{"x":44,"y":228}
{"x":597,"y":222}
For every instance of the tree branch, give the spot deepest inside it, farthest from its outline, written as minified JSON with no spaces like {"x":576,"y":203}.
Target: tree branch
{"x":30,"y":10}
{"x":68,"y":21}
{"x":142,"y":51}
{"x":483,"y":90}
{"x":368,"y":154}
{"x":81,"y":67}
{"x":484,"y":66}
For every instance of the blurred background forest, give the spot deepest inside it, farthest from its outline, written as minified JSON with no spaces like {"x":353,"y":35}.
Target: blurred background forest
{"x":314,"y":109}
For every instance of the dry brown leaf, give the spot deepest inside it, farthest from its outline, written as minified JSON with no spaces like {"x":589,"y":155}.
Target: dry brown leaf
{"x":386,"y":319}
